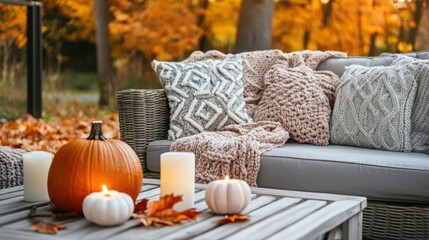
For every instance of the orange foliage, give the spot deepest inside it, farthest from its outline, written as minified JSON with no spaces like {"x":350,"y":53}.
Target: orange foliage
{"x":165,"y":30}
{"x":37,"y":134}
{"x":12,"y":24}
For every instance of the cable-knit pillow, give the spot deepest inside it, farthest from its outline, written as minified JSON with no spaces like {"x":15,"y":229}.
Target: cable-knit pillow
{"x":420,"y":111}
{"x":299,"y":98}
{"x":203,"y":96}
{"x":373,"y":108}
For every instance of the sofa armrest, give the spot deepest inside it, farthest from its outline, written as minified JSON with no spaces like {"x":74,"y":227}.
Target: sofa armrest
{"x":143,"y":117}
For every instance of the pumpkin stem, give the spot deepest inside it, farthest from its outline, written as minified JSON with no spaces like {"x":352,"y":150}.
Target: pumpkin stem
{"x":96,"y":131}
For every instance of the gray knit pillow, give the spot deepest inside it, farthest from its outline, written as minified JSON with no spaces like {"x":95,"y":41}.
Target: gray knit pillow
{"x":203,"y":96}
{"x":373,"y":108}
{"x":420,"y":111}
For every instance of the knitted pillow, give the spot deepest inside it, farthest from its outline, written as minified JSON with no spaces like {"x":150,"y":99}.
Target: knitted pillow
{"x":203,"y":96}
{"x":420,"y":111}
{"x":299,"y":98}
{"x":373,"y":108}
{"x":257,"y":63}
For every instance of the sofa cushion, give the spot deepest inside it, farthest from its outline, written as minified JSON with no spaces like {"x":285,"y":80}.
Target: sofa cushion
{"x":338,"y":65}
{"x":419,"y":114}
{"x":299,"y":99}
{"x":376,"y":174}
{"x":203,"y":96}
{"x":373,"y":107}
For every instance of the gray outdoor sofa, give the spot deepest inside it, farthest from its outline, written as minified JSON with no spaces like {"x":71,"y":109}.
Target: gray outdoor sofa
{"x":395,"y":183}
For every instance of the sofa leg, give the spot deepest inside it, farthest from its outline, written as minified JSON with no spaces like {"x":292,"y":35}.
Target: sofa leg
{"x":352,"y":229}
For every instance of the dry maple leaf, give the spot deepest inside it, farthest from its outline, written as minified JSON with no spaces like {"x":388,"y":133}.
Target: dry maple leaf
{"x":233,"y":218}
{"x":141,"y":206}
{"x":161,"y":213}
{"x":46,"y":227}
{"x":165,"y":202}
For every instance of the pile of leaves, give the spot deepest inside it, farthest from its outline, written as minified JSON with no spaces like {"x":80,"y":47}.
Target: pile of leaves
{"x":49,"y":135}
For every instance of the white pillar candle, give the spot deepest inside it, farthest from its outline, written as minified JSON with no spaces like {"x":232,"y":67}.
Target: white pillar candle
{"x":178,"y":177}
{"x":36,"y":169}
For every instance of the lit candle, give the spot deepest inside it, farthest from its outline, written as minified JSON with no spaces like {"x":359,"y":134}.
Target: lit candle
{"x":36,"y":169}
{"x":228,"y":196}
{"x":108,"y":207}
{"x":178,"y":177}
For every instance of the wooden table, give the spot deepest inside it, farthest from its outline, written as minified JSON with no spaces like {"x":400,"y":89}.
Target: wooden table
{"x":275,"y":214}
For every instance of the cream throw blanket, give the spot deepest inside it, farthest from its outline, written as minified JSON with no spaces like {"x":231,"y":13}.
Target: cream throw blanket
{"x":236,"y":149}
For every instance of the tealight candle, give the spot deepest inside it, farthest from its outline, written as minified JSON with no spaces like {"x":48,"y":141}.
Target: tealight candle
{"x":108,"y":207}
{"x":36,"y":169}
{"x":178,"y":177}
{"x":227,"y":196}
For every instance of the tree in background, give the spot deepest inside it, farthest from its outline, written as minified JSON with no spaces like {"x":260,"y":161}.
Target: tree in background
{"x":255,"y":25}
{"x":106,"y":79}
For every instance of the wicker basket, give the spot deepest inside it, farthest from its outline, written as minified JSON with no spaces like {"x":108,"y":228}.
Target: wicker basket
{"x":383,"y":220}
{"x":144,"y":117}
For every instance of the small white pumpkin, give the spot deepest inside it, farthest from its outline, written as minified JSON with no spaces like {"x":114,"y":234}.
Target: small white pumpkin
{"x":108,"y":208}
{"x":227,"y":196}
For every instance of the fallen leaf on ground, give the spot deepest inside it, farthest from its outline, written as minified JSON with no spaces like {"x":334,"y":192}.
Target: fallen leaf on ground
{"x":233,"y":218}
{"x":141,"y":206}
{"x":46,"y":227}
{"x":161,"y":213}
{"x":34,"y":134}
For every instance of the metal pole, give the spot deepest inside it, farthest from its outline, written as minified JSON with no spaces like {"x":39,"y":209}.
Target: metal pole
{"x":34,"y":59}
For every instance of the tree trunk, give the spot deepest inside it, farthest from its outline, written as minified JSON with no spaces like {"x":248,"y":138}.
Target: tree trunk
{"x":104,"y":68}
{"x":327,"y":11}
{"x":416,"y":17}
{"x":254,"y":25}
{"x":204,"y":4}
{"x":307,"y":37}
{"x":423,"y":33}
{"x":372,"y":48}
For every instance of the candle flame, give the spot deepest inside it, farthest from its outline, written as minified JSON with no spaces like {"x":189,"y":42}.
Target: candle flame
{"x":227,"y":178}
{"x":105,"y":190}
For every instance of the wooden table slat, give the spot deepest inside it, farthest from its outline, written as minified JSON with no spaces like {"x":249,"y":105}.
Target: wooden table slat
{"x":257,"y":215}
{"x":10,"y":234}
{"x":9,"y":195}
{"x":210,"y":223}
{"x":278,"y":221}
{"x":12,"y":189}
{"x":318,"y":222}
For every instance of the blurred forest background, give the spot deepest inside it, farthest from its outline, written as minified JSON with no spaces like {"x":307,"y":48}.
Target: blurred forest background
{"x":142,"y":30}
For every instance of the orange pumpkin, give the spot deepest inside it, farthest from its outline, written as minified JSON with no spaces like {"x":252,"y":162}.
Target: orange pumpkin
{"x":82,"y":166}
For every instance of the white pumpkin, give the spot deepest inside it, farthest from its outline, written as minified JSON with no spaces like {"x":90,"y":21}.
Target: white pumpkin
{"x":108,"y":209}
{"x":227,"y":196}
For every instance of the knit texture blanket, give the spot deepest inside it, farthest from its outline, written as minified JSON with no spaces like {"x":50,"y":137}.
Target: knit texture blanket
{"x":235,"y":150}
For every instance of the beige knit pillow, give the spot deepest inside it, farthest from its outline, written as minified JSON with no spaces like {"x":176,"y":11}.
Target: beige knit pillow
{"x":299,"y":98}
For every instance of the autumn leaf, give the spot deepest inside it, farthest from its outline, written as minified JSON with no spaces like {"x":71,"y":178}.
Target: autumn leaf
{"x":161,"y":213}
{"x":233,"y":218}
{"x":46,"y":227}
{"x":141,"y":206}
{"x":165,"y":202}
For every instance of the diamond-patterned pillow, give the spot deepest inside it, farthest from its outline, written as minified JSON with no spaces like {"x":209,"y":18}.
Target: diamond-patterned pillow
{"x":373,"y":108}
{"x":203,"y":96}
